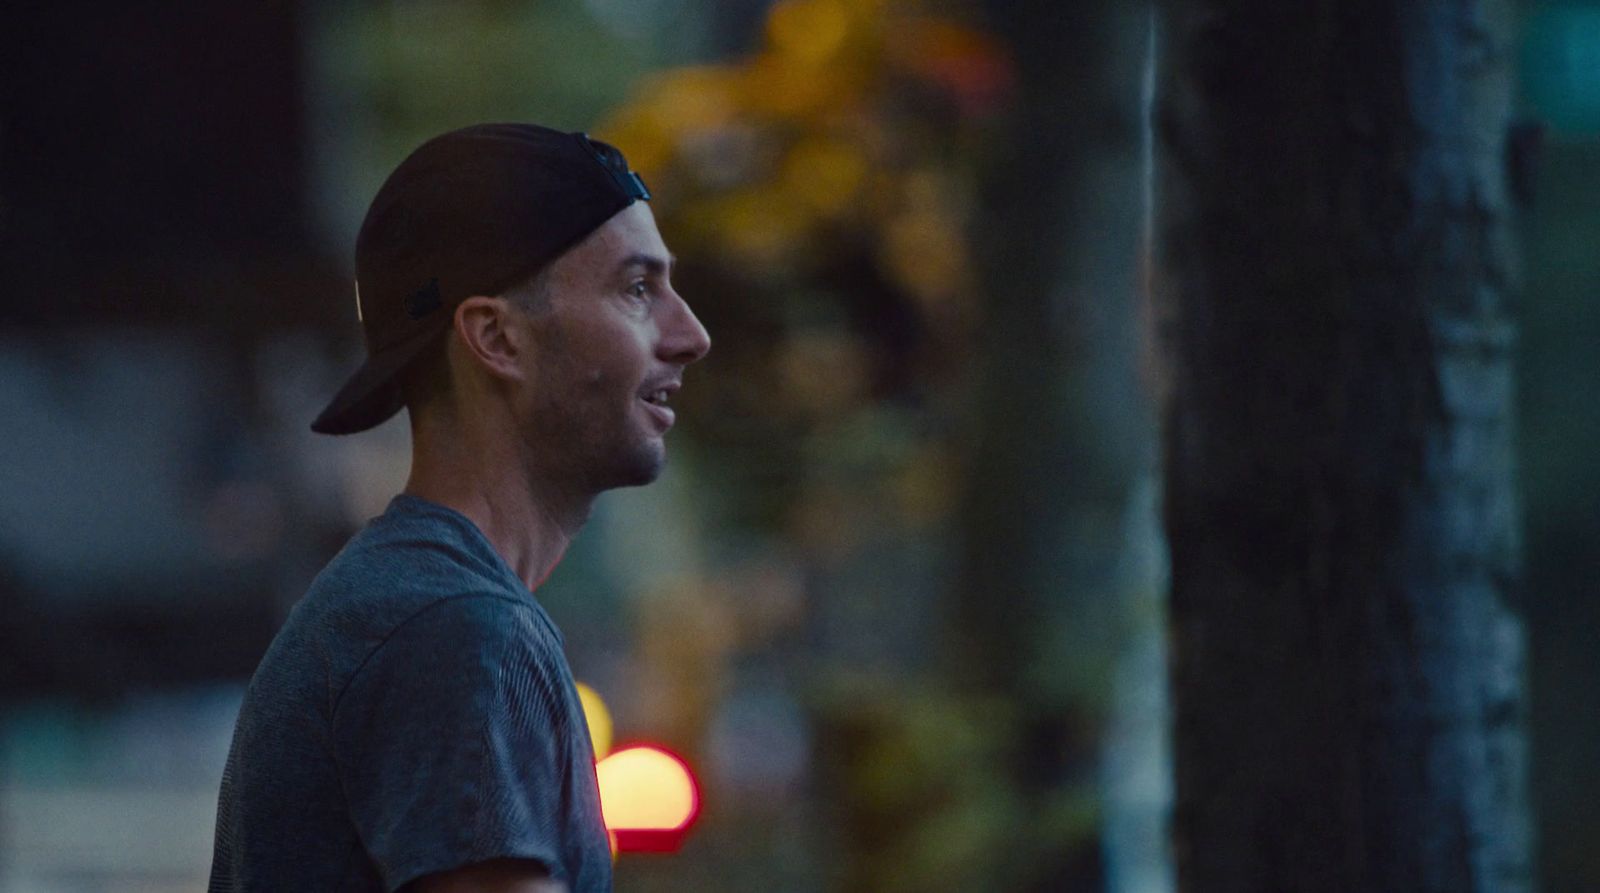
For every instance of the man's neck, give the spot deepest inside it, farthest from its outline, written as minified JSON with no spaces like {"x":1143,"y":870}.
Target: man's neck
{"x":530,"y":521}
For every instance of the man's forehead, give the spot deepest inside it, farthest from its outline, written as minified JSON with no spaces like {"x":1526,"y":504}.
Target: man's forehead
{"x":629,"y":237}
{"x":649,"y":262}
{"x":633,"y":229}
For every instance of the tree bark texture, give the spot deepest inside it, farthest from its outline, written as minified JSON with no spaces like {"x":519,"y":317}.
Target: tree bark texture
{"x":1336,"y":270}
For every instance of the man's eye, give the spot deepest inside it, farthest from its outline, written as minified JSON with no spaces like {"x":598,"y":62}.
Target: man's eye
{"x":639,"y":289}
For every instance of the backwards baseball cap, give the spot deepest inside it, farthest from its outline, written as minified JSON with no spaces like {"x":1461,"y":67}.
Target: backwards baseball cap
{"x":475,"y":211}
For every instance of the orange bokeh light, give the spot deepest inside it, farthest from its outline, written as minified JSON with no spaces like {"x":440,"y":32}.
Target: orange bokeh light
{"x":648,"y":797}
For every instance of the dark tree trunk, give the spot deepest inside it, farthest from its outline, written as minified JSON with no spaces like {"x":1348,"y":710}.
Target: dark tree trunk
{"x":1346,"y":651}
{"x":1062,"y":431}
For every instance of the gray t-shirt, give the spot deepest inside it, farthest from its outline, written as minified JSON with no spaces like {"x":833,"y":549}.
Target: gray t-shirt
{"x":415,"y":714}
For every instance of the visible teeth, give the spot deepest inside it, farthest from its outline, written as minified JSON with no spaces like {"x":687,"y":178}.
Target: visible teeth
{"x":657,"y":397}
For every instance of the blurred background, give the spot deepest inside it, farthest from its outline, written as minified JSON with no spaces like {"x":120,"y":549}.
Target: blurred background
{"x":898,"y":599}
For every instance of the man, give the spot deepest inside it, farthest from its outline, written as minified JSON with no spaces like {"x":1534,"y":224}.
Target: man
{"x":414,"y":724}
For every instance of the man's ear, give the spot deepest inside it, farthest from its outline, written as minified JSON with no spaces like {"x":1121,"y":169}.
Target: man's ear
{"x":491,"y":335}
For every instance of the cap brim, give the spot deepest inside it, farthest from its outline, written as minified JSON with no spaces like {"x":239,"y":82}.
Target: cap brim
{"x":372,"y":395}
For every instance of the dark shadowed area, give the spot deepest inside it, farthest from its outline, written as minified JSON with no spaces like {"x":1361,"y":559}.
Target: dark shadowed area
{"x":1126,"y":423}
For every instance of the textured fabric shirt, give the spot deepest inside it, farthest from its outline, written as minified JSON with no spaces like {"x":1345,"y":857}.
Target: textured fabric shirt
{"x":415,"y":714}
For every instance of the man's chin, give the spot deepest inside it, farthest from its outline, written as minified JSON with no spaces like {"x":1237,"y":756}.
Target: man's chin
{"x":643,"y":478}
{"x":641,"y":468}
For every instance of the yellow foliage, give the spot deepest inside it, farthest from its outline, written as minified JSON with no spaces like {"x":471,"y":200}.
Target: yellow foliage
{"x":838,"y":146}
{"x":824,"y":173}
{"x":777,"y":88}
{"x":757,"y":226}
{"x":817,"y":129}
{"x":673,"y":107}
{"x":927,"y":254}
{"x":823,"y":371}
{"x":699,"y":97}
{"x":808,"y":32}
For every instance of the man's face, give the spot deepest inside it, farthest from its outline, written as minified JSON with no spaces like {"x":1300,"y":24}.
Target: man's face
{"x":608,"y":353}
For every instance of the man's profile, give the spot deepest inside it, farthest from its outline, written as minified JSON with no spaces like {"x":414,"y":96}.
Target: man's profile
{"x":414,"y":724}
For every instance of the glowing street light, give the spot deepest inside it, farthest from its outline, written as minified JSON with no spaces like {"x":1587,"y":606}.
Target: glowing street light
{"x":598,"y":717}
{"x":648,"y":797}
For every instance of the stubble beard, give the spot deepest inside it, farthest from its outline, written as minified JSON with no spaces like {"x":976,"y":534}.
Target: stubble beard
{"x":636,"y":460}
{"x":599,"y":454}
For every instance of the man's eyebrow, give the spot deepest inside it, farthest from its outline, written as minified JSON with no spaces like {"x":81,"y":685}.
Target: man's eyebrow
{"x":652,"y":264}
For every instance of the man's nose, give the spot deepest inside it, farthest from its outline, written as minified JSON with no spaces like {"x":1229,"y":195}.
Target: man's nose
{"x":683,"y":338}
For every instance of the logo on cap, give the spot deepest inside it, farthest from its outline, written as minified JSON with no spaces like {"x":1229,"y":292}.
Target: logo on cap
{"x":424,"y":301}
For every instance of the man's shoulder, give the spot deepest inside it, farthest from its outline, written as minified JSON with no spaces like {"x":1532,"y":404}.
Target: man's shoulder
{"x":482,"y":621}
{"x":415,"y":545}
{"x":473,"y":658}
{"x":416,"y":571}
{"x":407,"y":560}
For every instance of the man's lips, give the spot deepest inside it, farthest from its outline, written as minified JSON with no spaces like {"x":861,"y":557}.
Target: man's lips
{"x":663,"y":415}
{"x":655,"y":399}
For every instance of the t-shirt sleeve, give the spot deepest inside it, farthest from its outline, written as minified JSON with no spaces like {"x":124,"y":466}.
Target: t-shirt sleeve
{"x":448,"y":741}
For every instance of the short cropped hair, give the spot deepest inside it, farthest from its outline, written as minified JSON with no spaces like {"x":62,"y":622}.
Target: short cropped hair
{"x":426,"y":381}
